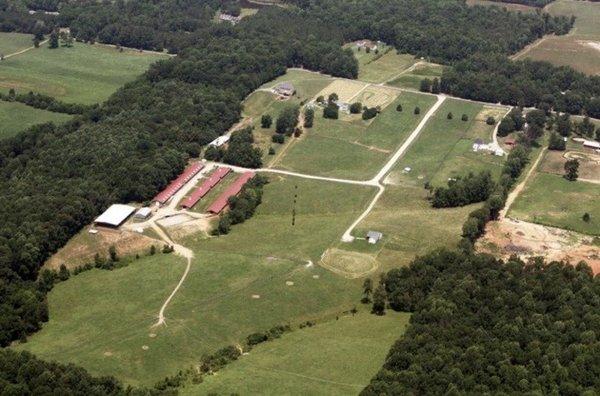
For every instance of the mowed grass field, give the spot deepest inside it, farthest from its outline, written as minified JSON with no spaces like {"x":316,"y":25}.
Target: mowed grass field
{"x":552,"y":200}
{"x":403,"y":214}
{"x":334,"y":358}
{"x":412,"y":79}
{"x":579,"y":49}
{"x":352,"y":148}
{"x":14,"y":42}
{"x":15,"y":117}
{"x":101,"y":319}
{"x":81,"y":74}
{"x":381,"y":66}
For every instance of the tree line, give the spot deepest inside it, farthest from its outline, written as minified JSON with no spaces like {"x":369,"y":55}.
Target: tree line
{"x":480,"y":325}
{"x":45,"y":102}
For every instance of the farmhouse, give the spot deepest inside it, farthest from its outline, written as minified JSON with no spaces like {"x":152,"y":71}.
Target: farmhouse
{"x":285,"y":89}
{"x":229,"y":18}
{"x":374,"y":236}
{"x":366,"y":44}
{"x":114,"y":216}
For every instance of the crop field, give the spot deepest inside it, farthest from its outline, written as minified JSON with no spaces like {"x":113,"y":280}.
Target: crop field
{"x":81,"y":74}
{"x":238,"y":284}
{"x":409,"y":224}
{"x":329,"y":358}
{"x":382,"y":66}
{"x":412,"y":79}
{"x":551,"y":200}
{"x":346,"y":90}
{"x":15,"y":117}
{"x":579,"y":49}
{"x":353,"y":148}
{"x":14,"y":42}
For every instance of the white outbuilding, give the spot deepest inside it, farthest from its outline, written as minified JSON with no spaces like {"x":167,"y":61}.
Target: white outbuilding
{"x":143,"y":213}
{"x":115,"y":215}
{"x":373,"y":237}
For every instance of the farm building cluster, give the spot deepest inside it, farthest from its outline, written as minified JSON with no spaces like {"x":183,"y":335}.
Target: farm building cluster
{"x":117,"y":214}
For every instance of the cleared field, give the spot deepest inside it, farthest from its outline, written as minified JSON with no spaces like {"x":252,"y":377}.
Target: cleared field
{"x":101,"y":320}
{"x":413,"y":78}
{"x":353,"y":148}
{"x":14,"y":42}
{"x":403,"y":214}
{"x":382,"y":66}
{"x":334,"y":358}
{"x":589,"y":163}
{"x":508,"y":6}
{"x":345,"y":89}
{"x":551,"y":200}
{"x":81,"y":74}
{"x":15,"y":117}
{"x":444,"y":148}
{"x":579,"y":49}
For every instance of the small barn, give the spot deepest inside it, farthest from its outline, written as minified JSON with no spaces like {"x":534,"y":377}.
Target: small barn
{"x":374,"y":236}
{"x":366,"y":44}
{"x":142,"y":213}
{"x":592,"y":145}
{"x":230,"y":18}
{"x":114,"y":216}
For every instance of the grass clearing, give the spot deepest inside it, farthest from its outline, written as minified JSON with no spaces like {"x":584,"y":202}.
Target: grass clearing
{"x":16,"y":117}
{"x":381,"y":66}
{"x":100,"y":319}
{"x":412,"y":79}
{"x":81,"y":74}
{"x":334,"y":358}
{"x":354,"y":148}
{"x":14,"y":42}
{"x":345,"y":89}
{"x":579,"y":49}
{"x":552,"y":200}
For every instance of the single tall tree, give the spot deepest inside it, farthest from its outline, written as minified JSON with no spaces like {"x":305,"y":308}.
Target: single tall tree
{"x":53,"y":42}
{"x":572,"y":170}
{"x":367,"y":290}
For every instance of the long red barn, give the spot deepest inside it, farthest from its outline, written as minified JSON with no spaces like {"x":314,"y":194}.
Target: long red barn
{"x":234,"y":189}
{"x":176,"y":184}
{"x":208,"y":185}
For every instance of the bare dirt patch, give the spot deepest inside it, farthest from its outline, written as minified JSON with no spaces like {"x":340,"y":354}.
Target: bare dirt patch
{"x":589,"y":163}
{"x":507,"y":237}
{"x":189,"y":227}
{"x":82,"y":248}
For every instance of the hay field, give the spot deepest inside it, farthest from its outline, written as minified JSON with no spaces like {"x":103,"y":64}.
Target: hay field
{"x":374,"y":96}
{"x":345,"y":89}
{"x":16,"y":117}
{"x":14,"y":42}
{"x":579,"y":49}
{"x":334,"y":358}
{"x":81,"y":74}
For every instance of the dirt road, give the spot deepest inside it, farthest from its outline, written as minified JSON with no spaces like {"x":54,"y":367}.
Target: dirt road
{"x":24,"y":50}
{"x":515,"y":193}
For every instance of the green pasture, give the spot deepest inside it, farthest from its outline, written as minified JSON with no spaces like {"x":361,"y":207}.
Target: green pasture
{"x":102,"y":319}
{"x":551,"y":200}
{"x":80,"y":74}
{"x":15,"y":117}
{"x":334,"y":358}
{"x":381,"y":66}
{"x":14,"y":42}
{"x":352,"y":148}
{"x":578,"y":49}
{"x":444,"y":147}
{"x":412,"y":79}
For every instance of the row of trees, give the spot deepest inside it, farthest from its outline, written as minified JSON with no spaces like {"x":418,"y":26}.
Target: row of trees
{"x":483,"y":326}
{"x":41,"y":101}
{"x":243,"y":205}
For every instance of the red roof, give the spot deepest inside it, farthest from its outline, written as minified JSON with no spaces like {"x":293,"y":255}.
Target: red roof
{"x":176,"y":184}
{"x":208,"y":184}
{"x":234,"y":189}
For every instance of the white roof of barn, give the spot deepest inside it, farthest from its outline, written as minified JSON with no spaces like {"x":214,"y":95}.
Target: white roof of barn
{"x":143,"y":212}
{"x":115,"y":215}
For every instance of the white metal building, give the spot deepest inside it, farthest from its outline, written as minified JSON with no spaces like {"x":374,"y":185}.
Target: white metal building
{"x":115,"y":215}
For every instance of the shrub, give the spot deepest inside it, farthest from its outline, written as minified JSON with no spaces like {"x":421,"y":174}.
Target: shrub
{"x":331,"y":111}
{"x":450,"y":116}
{"x":490,"y":120}
{"x":356,"y":108}
{"x":369,"y":113}
{"x":417,"y":110}
{"x":465,"y":117}
{"x":266,"y":121}
{"x":399,"y":107}
{"x":277,"y":138}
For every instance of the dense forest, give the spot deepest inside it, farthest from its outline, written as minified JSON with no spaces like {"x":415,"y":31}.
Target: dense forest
{"x":442,"y":30}
{"x":484,"y":326}
{"x":524,"y":83}
{"x":14,"y":17}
